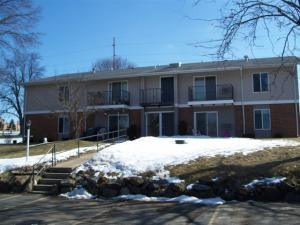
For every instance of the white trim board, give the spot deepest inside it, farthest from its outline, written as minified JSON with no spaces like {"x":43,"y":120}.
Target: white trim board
{"x":266,"y":102}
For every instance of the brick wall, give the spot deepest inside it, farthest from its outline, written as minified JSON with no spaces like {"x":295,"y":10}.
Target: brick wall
{"x":43,"y":126}
{"x":283,"y":121}
{"x":249,"y":123}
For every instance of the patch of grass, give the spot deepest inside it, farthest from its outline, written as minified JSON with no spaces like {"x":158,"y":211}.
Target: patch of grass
{"x":19,"y":150}
{"x":281,"y":161}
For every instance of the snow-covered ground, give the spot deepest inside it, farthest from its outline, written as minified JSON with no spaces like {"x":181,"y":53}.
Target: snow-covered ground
{"x":81,"y":193}
{"x":13,"y":163}
{"x":153,"y":154}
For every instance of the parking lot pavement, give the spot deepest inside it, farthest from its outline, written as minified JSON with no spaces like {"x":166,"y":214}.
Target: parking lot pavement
{"x":38,"y":209}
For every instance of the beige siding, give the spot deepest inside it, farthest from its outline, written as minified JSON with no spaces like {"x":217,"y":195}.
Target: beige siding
{"x":281,"y":86}
{"x":41,"y":98}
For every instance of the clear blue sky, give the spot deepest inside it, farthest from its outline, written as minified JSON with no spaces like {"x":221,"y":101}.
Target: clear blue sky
{"x":148,"y":32}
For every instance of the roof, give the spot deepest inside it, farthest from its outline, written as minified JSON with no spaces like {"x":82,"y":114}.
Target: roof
{"x":171,"y":69}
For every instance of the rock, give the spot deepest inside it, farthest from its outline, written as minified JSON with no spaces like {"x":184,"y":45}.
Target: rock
{"x":125,"y":191}
{"x":200,"y":187}
{"x":109,"y":190}
{"x":292,"y":197}
{"x":66,"y":185}
{"x":19,"y":183}
{"x":155,"y":188}
{"x":102,"y":180}
{"x":201,"y":191}
{"x":175,"y":189}
{"x":267,"y":193}
{"x":134,"y":181}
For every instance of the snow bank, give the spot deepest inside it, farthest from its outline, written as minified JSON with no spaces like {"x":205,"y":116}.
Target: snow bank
{"x":180,"y":199}
{"x":78,"y":193}
{"x":153,"y":154}
{"x":265,"y":181}
{"x":13,"y":163}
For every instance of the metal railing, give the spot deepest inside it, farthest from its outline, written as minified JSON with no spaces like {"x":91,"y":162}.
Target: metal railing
{"x":206,"y":93}
{"x":108,"y":98}
{"x":44,"y":164}
{"x":101,"y":137}
{"x":156,"y":96}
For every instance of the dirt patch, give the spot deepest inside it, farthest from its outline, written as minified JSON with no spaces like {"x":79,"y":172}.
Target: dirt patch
{"x":283,"y":161}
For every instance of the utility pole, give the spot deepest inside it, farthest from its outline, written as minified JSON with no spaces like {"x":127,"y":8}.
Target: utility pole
{"x":114,"y":53}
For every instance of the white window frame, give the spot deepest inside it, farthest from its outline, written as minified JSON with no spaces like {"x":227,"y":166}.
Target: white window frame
{"x":269,"y":111}
{"x":260,"y":83}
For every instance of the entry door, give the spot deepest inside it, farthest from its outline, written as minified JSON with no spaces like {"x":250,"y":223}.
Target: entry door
{"x":116,"y":92}
{"x":205,"y":88}
{"x":167,"y":90}
{"x":206,"y":123}
{"x":210,"y":84}
{"x":117,"y":122}
{"x":152,"y":120}
{"x":160,"y":124}
{"x":167,"y":124}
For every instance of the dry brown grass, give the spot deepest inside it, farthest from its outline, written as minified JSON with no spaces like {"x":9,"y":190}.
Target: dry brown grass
{"x":19,"y":150}
{"x":283,"y":161}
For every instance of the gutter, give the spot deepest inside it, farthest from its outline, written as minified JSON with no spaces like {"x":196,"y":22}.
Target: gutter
{"x":296,"y":92}
{"x":242,"y":100}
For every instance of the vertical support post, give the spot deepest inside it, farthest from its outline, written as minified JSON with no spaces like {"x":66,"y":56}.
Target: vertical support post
{"x":54,"y":151}
{"x":78,"y":147}
{"x":28,"y":124}
{"x":97,"y":140}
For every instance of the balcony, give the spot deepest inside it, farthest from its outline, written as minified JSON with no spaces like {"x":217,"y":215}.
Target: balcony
{"x":156,"y":97}
{"x":215,"y":94}
{"x":108,"y":98}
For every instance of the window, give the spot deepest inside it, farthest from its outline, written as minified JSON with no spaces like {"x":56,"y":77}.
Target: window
{"x":63,"y":125}
{"x":63,"y":94}
{"x":118,"y":122}
{"x":260,"y":82}
{"x":262,"y":119}
{"x":118,"y":92}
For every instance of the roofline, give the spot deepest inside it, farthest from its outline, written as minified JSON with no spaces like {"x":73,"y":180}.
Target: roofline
{"x":154,"y":72}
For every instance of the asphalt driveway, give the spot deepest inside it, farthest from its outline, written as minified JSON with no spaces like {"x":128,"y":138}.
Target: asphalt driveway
{"x":38,"y":209}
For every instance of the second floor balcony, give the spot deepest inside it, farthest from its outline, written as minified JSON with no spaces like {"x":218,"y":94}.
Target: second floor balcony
{"x":105,"y":98}
{"x":156,"y":97}
{"x":210,"y":94}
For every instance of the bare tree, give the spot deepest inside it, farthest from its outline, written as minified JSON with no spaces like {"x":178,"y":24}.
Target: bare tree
{"x":71,"y":98}
{"x":17,"y":19}
{"x":107,"y":64}
{"x":21,"y":68}
{"x":245,"y":19}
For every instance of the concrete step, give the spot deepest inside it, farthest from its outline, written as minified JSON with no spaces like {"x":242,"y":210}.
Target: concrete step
{"x":59,"y":170}
{"x":49,"y":181}
{"x":40,"y":192}
{"x":56,"y":175}
{"x":43,"y":187}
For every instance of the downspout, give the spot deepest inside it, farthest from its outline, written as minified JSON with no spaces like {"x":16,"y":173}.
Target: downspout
{"x":296,"y":93}
{"x":242,"y":100}
{"x":24,"y":114}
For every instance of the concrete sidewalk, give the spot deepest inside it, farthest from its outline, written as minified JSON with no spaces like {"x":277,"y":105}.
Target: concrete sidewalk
{"x":76,"y":161}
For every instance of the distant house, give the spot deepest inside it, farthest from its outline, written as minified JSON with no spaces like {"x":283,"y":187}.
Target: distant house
{"x":249,"y":97}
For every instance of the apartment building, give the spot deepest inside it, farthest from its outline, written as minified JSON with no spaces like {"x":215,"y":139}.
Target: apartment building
{"x":248,"y":97}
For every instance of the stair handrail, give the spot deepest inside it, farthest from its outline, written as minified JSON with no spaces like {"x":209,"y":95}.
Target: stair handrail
{"x":53,"y":162}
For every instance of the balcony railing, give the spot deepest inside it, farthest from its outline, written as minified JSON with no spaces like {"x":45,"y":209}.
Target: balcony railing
{"x":108,"y":98}
{"x":211,"y":93}
{"x":156,"y":97}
